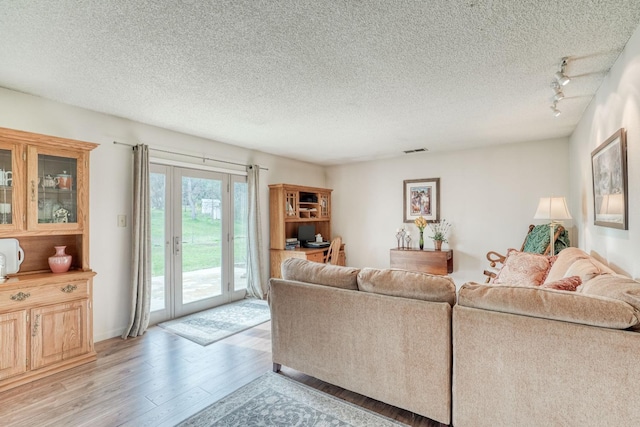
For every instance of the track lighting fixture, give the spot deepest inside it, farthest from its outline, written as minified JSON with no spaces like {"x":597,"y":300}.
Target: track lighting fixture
{"x":561,"y":77}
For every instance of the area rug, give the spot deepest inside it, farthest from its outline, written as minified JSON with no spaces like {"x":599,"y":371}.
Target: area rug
{"x":212,"y":325}
{"x":275,"y":400}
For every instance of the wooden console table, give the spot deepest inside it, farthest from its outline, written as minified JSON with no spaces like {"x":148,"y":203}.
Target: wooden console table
{"x":427,"y":260}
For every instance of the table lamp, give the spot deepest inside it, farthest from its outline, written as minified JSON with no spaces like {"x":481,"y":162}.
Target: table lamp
{"x":553,"y":209}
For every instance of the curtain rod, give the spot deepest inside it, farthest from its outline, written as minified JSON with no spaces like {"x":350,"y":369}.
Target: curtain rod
{"x":203,"y":158}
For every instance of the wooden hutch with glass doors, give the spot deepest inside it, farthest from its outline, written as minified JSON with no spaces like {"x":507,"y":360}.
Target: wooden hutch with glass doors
{"x":46,"y":318}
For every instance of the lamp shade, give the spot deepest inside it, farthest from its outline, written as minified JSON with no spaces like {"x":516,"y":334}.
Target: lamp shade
{"x":552,"y":208}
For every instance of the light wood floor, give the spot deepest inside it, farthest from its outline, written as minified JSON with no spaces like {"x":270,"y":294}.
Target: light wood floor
{"x":159,"y":379}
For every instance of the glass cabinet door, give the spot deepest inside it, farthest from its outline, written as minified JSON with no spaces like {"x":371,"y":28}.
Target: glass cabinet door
{"x":57,"y":192}
{"x":6,"y":187}
{"x":11,"y":187}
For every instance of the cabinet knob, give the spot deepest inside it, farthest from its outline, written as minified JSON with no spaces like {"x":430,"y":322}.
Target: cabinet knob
{"x":69,"y":288}
{"x":20,"y":296}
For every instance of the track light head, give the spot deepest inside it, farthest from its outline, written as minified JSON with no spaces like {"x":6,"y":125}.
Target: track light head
{"x":554,"y":110}
{"x":562,"y":78}
{"x":558,"y":96}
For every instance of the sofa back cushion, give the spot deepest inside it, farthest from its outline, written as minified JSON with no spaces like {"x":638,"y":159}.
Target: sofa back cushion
{"x":302,"y":270}
{"x":552,"y":304}
{"x":575,"y":262}
{"x":562,"y":263}
{"x":614,"y":286}
{"x":523,"y":269}
{"x":586,"y":269}
{"x":407,"y":284}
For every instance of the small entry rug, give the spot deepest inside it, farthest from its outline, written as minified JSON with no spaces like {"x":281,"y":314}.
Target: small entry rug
{"x":209,"y":326}
{"x":275,"y":400}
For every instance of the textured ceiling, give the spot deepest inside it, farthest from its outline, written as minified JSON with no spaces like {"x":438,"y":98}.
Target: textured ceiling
{"x":328,"y":82}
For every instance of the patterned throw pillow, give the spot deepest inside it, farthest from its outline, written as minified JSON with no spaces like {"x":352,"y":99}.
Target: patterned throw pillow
{"x":524,"y":269}
{"x":570,"y":283}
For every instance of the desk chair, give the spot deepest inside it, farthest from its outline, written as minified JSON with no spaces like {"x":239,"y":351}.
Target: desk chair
{"x":332,"y":253}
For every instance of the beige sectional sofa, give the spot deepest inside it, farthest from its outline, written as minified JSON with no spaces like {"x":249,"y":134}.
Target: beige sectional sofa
{"x":385,"y":334}
{"x":528,"y":356}
{"x":523,"y":354}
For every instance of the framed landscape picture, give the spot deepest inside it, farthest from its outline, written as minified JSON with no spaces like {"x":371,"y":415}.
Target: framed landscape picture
{"x":422,"y":198}
{"x":609,"y":165}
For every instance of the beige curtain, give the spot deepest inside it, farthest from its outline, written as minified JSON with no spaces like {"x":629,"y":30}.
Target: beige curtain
{"x":141,"y":245}
{"x":256,"y":286}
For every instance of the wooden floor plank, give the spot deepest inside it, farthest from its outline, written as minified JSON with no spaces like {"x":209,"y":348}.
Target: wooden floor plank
{"x":159,"y":379}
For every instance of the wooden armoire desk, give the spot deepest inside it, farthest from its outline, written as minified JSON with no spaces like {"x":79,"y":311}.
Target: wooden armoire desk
{"x":291,"y":206}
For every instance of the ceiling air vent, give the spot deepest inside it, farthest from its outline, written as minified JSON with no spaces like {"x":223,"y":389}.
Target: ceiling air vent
{"x":417,"y":150}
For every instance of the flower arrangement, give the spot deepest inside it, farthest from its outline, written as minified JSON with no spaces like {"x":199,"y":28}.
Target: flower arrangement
{"x":421,"y":223}
{"x":440,"y":230}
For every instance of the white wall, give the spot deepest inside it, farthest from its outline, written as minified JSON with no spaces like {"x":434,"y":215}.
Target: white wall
{"x":616,"y":105}
{"x":111,"y":172}
{"x":489,"y":195}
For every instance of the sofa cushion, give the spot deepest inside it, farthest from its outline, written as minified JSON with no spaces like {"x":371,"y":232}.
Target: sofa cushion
{"x":524,"y":269}
{"x":563,"y":261}
{"x":575,"y":262}
{"x":586,"y":269}
{"x":408,"y":284}
{"x":570,"y":283}
{"x":614,"y":286}
{"x":533,"y":301}
{"x":302,"y":270}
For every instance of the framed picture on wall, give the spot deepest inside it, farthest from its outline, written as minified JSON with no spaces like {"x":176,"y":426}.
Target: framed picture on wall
{"x":609,"y":164}
{"x":422,"y":198}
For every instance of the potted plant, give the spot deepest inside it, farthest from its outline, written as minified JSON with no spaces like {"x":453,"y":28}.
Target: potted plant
{"x":440,"y":230}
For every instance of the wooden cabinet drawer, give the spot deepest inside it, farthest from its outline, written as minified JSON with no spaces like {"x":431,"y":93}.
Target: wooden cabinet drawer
{"x":45,"y":294}
{"x":316,"y":257}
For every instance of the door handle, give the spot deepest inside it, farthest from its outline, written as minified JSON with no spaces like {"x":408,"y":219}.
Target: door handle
{"x":176,"y":245}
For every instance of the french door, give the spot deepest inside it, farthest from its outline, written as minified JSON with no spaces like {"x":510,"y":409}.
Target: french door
{"x":199,"y":240}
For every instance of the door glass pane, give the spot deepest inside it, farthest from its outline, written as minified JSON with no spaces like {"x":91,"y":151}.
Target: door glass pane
{"x":6,"y":188}
{"x":57,"y":201}
{"x":240,"y":230}
{"x":201,"y":238}
{"x":158,"y":189}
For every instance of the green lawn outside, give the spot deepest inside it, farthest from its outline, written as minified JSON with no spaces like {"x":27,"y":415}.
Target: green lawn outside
{"x":201,"y":242}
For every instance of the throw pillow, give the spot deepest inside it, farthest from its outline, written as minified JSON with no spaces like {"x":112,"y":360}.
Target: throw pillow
{"x":567,"y":284}
{"x":524,"y":269}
